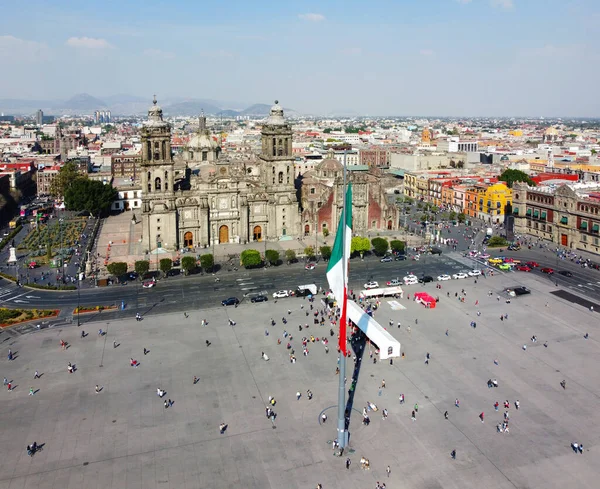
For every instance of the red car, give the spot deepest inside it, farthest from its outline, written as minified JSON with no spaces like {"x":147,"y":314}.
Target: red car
{"x":532,"y":264}
{"x":523,"y":268}
{"x":547,"y":270}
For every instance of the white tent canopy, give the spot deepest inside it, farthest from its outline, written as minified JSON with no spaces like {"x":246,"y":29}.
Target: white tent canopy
{"x":382,"y":292}
{"x":388,"y":346}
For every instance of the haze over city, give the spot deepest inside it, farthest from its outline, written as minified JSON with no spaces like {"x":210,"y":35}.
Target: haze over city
{"x":441,"y":57}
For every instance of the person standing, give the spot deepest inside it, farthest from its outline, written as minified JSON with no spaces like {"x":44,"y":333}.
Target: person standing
{"x":388,"y":470}
{"x":348,"y":462}
{"x":481,"y":416}
{"x":31,"y":391}
{"x":36,"y":375}
{"x":383,"y":383}
{"x":453,"y":454}
{"x":97,"y":388}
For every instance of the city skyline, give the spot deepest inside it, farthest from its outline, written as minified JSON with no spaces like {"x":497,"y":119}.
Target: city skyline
{"x":450,"y":57}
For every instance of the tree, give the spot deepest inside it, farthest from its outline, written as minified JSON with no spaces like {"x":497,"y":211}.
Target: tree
{"x":272,"y":256}
{"x":63,"y":180}
{"x":360,"y":245}
{"x":496,"y":241}
{"x":309,"y":251}
{"x":461,"y":217}
{"x":424,"y":217}
{"x":207,"y":262}
{"x":188,"y":263}
{"x":90,"y":195}
{"x":290,"y":255}
{"x":452,"y":216}
{"x":141,"y":267}
{"x":325,"y":252}
{"x":460,"y":164}
{"x":250,"y":258}
{"x":380,"y":245}
{"x":593,"y":151}
{"x":165,"y":265}
{"x":325,"y":232}
{"x":327,"y":130}
{"x":117,"y":268}
{"x":511,"y":176}
{"x":397,"y":246}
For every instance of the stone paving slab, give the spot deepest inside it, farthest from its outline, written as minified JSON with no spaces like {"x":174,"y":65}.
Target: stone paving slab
{"x":124,"y":437}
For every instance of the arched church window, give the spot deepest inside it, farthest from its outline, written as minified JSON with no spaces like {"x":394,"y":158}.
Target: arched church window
{"x":204,"y":155}
{"x":274,"y":147}
{"x":288,"y":179}
{"x":157,"y":183}
{"x":280,"y":151}
{"x":166,"y":180}
{"x":280,"y":177}
{"x":164,"y":150}
{"x":149,"y":182}
{"x":233,"y":202}
{"x":149,"y":148}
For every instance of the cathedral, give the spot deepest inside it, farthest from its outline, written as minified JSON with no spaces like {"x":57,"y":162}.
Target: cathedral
{"x":202,"y":197}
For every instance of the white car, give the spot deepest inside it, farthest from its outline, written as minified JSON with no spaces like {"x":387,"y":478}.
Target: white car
{"x":371,"y":285}
{"x":149,"y":284}
{"x":410,"y":280}
{"x":281,"y":294}
{"x":459,"y":275}
{"x":474,"y":273}
{"x":394,"y":283}
{"x":444,"y":277}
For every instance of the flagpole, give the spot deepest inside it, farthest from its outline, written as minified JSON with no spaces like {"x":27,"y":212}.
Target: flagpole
{"x":341,"y":429}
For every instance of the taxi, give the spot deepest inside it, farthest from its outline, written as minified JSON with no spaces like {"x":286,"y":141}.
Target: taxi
{"x":496,"y":261}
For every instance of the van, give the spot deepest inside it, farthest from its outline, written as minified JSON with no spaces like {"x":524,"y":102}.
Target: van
{"x":411,"y":280}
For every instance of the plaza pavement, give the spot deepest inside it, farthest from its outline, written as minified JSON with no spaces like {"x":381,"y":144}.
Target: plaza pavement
{"x":123,"y":437}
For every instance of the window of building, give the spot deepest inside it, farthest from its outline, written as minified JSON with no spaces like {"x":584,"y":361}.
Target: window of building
{"x":564,"y":220}
{"x":584,"y":238}
{"x":583,"y":225}
{"x":157,"y":183}
{"x":204,"y":155}
{"x":549,"y":229}
{"x":158,"y":220}
{"x":312,"y":190}
{"x":280,"y":177}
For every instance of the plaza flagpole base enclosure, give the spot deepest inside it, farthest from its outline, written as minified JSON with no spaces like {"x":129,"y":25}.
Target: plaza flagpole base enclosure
{"x":388,"y":346}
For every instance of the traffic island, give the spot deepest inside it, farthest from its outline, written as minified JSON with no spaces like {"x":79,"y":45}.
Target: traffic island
{"x":92,"y":309}
{"x":11,"y":317}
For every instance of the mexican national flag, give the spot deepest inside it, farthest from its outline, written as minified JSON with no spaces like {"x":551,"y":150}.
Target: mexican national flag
{"x":337,"y":269}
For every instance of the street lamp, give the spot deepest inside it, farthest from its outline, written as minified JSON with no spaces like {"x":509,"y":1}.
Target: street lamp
{"x":78,"y":296}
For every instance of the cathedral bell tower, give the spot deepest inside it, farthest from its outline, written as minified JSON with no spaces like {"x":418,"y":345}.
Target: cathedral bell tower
{"x":159,"y":219}
{"x":277,"y":172}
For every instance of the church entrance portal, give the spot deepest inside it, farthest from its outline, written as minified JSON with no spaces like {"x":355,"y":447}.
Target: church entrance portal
{"x":223,"y":234}
{"x":389,"y":225}
{"x":257,"y":233}
{"x":306,"y":230}
{"x":188,"y":240}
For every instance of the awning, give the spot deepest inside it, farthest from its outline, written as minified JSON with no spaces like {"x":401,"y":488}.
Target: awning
{"x":528,"y":212}
{"x":543,"y":214}
{"x":596,"y":228}
{"x":536,"y":213}
{"x":583,"y":225}
{"x":564,"y":220}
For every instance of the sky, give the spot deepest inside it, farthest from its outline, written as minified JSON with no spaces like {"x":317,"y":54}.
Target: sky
{"x":378,"y":57}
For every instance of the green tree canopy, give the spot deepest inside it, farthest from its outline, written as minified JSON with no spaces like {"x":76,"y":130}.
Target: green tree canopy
{"x":309,"y":251}
{"x":511,"y":176}
{"x":496,"y":241}
{"x":90,"y":195}
{"x":290,"y":255}
{"x":461,"y":217}
{"x":165,"y":265}
{"x":360,"y":245}
{"x":66,"y":176}
{"x":272,"y":256}
{"x":452,"y":216}
{"x":141,"y":267}
{"x":117,"y":268}
{"x":380,"y":245}
{"x":207,"y":262}
{"x":250,"y":258}
{"x":325,"y":252}
{"x":397,"y":246}
{"x":188,"y":263}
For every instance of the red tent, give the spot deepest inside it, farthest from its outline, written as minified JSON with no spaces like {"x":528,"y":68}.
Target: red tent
{"x":425,"y":299}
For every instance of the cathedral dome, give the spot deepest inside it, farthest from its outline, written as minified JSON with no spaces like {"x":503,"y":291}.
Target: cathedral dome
{"x":330,"y":164}
{"x":276,"y":115}
{"x":155,"y":115}
{"x":202,"y":140}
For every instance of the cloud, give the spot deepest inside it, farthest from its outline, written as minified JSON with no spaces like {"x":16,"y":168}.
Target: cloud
{"x":312,"y":17}
{"x":88,"y":43}
{"x":505,"y":4}
{"x":14,"y":48}
{"x":158,"y":53}
{"x":426,"y":52}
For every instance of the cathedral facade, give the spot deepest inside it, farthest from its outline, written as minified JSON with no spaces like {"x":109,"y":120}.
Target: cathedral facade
{"x":201,"y":197}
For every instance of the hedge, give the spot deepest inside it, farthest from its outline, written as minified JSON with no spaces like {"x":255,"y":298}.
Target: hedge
{"x":10,"y":237}
{"x":52,"y":287}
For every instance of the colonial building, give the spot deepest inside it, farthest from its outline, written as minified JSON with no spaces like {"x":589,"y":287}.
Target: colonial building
{"x":322,"y":199}
{"x":203,"y":198}
{"x":568,"y":215}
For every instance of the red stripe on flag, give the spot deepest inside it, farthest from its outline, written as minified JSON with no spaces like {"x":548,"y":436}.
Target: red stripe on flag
{"x":342,"y":343}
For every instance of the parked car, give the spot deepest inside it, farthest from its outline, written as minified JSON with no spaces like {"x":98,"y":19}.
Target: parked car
{"x":426,"y":279}
{"x":149,"y":284}
{"x":459,"y":275}
{"x":514,"y":247}
{"x":504,"y":266}
{"x":386,"y":259}
{"x":280,"y":294}
{"x":371,"y":285}
{"x":231,"y":301}
{"x":474,"y":273}
{"x":259,"y":298}
{"x":523,"y":268}
{"x":394,"y":283}
{"x":310,"y":266}
{"x":435,"y":251}
{"x":565,"y":273}
{"x":547,"y":270}
{"x":444,"y":277}
{"x":516,"y":291}
{"x":495,"y":261}
{"x":400,"y":257}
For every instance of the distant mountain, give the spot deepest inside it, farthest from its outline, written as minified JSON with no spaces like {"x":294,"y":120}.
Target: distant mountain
{"x":257,"y":110}
{"x":124,"y":98}
{"x":191,"y":108}
{"x":83,"y":102}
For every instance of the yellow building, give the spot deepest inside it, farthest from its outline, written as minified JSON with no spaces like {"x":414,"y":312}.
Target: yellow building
{"x":493,"y":201}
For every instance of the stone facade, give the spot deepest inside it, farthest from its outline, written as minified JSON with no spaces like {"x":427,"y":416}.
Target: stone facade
{"x":322,"y":199}
{"x":201,"y":197}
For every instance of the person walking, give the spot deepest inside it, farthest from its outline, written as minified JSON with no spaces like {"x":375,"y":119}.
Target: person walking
{"x":298,"y":396}
{"x":481,"y":416}
{"x":31,"y":391}
{"x":446,"y":415}
{"x":36,"y":375}
{"x":453,"y":454}
{"x":383,"y":383}
{"x":413,"y":416}
{"x":97,"y":388}
{"x":388,"y":470}
{"x":348,"y":463}
{"x":416,"y":407}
